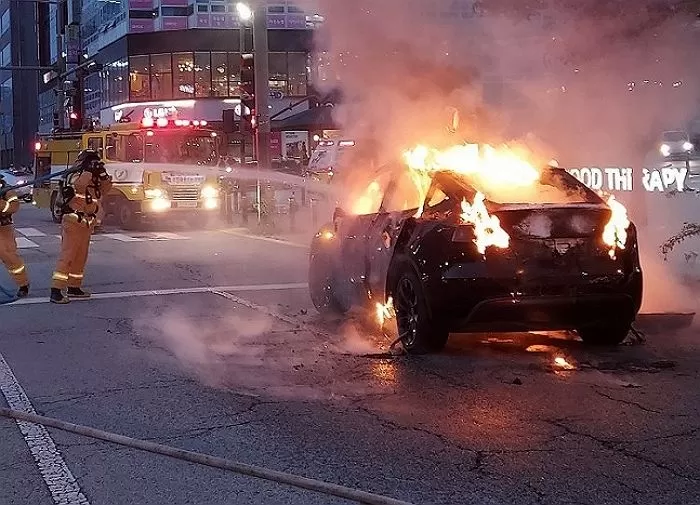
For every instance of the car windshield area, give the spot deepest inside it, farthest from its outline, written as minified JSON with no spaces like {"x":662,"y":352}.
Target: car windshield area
{"x":198,"y":147}
{"x":675,"y":137}
{"x":555,"y":186}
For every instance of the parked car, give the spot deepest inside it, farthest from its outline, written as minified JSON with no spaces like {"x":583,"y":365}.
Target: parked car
{"x":555,"y":274}
{"x":14,"y":177}
{"x":676,"y":145}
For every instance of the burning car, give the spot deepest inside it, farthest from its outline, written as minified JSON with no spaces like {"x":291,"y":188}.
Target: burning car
{"x":472,"y":240}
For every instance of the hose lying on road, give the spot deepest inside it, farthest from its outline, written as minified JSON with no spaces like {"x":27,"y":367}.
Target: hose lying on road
{"x":11,"y":297}
{"x":318,"y":486}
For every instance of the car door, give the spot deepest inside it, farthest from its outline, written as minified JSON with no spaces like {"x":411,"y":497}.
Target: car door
{"x":400,"y":203}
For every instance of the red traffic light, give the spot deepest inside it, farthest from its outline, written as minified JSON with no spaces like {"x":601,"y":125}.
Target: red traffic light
{"x":73,"y":115}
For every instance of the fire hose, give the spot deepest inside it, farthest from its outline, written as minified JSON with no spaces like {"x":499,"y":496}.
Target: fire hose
{"x":43,"y":178}
{"x":327,"y":488}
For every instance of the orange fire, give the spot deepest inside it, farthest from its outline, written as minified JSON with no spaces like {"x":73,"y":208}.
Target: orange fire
{"x":385,"y":312}
{"x":487,"y":228}
{"x":369,"y":201}
{"x":615,"y":231}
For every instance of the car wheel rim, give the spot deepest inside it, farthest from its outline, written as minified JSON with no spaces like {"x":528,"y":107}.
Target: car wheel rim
{"x":407,"y":311}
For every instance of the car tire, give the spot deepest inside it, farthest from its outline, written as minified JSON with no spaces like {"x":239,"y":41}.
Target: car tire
{"x":418,"y":331}
{"x":56,"y":214}
{"x":124,"y":214}
{"x":324,"y":286}
{"x":604,"y":334}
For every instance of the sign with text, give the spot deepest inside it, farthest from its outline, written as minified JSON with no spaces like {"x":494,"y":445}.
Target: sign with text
{"x":622,"y":179}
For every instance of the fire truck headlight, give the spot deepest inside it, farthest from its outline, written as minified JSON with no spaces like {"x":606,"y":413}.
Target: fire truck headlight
{"x":154,"y":193}
{"x":687,"y":146}
{"x":665,"y":150}
{"x":210,"y":192}
{"x":211,"y":203}
{"x":160,"y":204}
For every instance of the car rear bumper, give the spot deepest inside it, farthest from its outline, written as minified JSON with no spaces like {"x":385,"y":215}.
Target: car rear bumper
{"x":545,"y":313}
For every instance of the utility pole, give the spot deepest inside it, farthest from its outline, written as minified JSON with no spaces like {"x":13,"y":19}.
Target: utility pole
{"x":241,"y":46}
{"x":262,"y":85}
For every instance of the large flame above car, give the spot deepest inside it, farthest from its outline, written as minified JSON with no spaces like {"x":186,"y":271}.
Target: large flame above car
{"x":487,"y":228}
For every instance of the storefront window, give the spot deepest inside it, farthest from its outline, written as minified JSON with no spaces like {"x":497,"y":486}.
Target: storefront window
{"x":161,"y":77}
{"x":202,"y":74}
{"x":139,"y":87}
{"x":297,"y":74}
{"x":234,"y":74}
{"x":278,"y":72}
{"x":183,"y":72}
{"x":219,"y":74}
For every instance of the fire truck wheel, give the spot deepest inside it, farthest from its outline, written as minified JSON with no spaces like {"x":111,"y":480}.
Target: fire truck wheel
{"x":125,"y":215}
{"x":55,"y":207}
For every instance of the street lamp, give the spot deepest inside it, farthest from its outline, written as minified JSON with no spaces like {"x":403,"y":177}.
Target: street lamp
{"x":245,"y":13}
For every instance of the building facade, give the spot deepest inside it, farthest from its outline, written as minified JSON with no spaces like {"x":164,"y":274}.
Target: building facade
{"x":18,"y":88}
{"x":180,"y":58}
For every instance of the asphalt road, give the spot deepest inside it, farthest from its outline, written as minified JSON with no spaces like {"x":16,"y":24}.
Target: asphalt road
{"x":233,"y":362}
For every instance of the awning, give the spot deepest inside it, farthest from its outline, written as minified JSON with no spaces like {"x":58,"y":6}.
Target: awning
{"x":316,"y":118}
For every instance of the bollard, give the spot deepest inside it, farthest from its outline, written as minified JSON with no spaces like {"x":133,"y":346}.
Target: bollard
{"x":292,"y":212}
{"x":244,"y":209}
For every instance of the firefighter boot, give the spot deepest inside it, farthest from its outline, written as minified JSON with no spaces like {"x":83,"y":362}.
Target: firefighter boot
{"x":57,"y":296}
{"x":78,"y":293}
{"x":23,"y":291}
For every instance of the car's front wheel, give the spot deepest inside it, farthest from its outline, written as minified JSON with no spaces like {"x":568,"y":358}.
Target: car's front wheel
{"x":604,"y":334}
{"x":418,"y":331}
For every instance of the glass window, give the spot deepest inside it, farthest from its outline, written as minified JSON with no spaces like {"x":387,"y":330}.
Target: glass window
{"x":139,"y":85}
{"x":161,"y":76}
{"x":234,"y":74}
{"x":202,"y":74}
{"x":6,"y":57}
{"x":297,"y":74}
{"x":278,"y":72}
{"x":95,"y":143}
{"x":5,"y":21}
{"x":117,"y":82}
{"x":402,"y":195}
{"x":183,"y":72}
{"x":219,"y":74}
{"x":218,"y":8}
{"x":202,"y":8}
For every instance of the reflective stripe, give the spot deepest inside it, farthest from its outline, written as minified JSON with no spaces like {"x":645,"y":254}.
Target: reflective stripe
{"x":75,"y":276}
{"x":80,"y":195}
{"x":6,"y":207}
{"x":58,"y":276}
{"x":17,"y":271}
{"x":75,"y":217}
{"x":12,"y":199}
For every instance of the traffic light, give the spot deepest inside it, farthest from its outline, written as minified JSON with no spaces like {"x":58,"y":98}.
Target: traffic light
{"x":247,"y":92}
{"x":75,"y":123}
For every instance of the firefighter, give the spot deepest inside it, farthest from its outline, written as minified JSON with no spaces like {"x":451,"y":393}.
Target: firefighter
{"x":9,"y":204}
{"x":81,"y":196}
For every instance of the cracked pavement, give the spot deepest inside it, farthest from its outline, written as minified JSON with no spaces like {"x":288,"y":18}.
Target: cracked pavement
{"x":268,"y":382}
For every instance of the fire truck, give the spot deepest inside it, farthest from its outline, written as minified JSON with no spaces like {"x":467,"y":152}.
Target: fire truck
{"x":160,"y":168}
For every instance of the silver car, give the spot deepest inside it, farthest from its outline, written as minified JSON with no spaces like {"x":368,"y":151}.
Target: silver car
{"x":15,"y":177}
{"x":676,"y":145}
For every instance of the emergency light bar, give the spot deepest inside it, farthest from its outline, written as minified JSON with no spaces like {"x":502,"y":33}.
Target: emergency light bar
{"x":161,"y":122}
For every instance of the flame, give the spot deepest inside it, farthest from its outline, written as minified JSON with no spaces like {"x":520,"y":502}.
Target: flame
{"x":560,"y":362}
{"x":491,"y":167}
{"x":615,"y":231}
{"x":386,"y":311}
{"x":487,"y":228}
{"x":369,"y":201}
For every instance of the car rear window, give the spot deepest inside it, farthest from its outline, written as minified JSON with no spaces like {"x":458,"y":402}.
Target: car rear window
{"x":675,"y":136}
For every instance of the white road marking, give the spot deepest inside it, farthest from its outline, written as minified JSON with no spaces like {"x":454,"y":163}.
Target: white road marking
{"x":164,"y":292}
{"x":267,"y":239}
{"x":31,"y":232}
{"x":25,"y":243}
{"x":121,"y":237}
{"x":63,"y":486}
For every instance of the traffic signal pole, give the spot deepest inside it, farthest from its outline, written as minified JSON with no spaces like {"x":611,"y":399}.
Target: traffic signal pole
{"x":262,"y":86}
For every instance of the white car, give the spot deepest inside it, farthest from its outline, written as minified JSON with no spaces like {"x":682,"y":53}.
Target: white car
{"x":15,"y":177}
{"x":675,"y":145}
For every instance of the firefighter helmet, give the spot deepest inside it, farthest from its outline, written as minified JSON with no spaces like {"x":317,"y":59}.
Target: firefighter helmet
{"x":86,"y":158}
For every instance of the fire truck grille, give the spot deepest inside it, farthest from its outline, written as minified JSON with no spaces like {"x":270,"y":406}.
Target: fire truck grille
{"x":185,"y":193}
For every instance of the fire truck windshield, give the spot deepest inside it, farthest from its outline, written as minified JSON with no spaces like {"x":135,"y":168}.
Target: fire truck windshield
{"x":192,"y":147}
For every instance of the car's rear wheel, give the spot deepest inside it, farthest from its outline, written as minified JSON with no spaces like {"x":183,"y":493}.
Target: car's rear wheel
{"x":324,"y":287}
{"x":604,"y":334}
{"x":418,"y":331}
